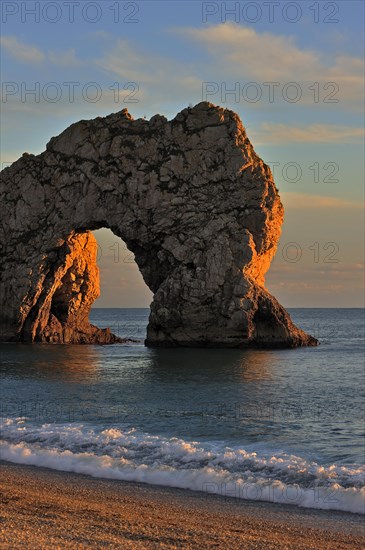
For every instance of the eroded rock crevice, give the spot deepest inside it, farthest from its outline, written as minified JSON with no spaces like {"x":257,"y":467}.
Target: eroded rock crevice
{"x":60,"y":312}
{"x":190,"y":198}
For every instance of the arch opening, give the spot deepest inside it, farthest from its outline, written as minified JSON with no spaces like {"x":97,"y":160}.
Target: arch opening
{"x":121,"y":282}
{"x":92,"y":270}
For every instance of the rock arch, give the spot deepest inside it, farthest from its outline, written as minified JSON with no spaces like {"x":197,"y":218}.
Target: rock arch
{"x":190,"y":198}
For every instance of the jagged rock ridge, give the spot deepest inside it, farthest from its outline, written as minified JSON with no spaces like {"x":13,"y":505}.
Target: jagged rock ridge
{"x":191,"y":199}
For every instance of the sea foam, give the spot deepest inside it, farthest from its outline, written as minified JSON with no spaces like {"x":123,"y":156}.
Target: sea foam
{"x":210,"y":467}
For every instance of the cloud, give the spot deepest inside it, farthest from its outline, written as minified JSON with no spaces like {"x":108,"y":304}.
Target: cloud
{"x":241,"y":53}
{"x":302,"y":201}
{"x":66,"y":58}
{"x":161,"y":74}
{"x":101,"y":35}
{"x":20,"y":51}
{"x":124,"y":61}
{"x":313,"y":133}
{"x":264,"y":56}
{"x":321,"y":284}
{"x":320,"y":269}
{"x":27,"y":53}
{"x":164,"y":84}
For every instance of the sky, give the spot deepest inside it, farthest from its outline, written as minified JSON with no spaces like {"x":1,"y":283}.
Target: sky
{"x":293,"y":71}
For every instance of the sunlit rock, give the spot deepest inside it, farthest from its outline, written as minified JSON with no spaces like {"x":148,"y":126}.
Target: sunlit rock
{"x":190,"y":198}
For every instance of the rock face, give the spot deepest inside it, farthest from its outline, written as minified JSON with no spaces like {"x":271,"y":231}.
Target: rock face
{"x":190,"y":198}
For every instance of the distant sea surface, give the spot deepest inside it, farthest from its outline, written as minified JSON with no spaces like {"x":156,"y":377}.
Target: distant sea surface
{"x":281,"y":426}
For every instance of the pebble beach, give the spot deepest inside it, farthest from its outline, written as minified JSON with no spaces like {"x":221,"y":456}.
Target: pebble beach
{"x":42,"y":508}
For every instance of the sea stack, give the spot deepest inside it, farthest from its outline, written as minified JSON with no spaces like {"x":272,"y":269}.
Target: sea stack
{"x":190,"y":198}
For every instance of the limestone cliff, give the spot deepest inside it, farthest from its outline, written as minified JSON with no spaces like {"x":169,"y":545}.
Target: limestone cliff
{"x":191,"y":199}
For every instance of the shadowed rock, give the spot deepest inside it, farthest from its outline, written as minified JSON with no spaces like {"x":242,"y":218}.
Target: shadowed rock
{"x":190,"y":198}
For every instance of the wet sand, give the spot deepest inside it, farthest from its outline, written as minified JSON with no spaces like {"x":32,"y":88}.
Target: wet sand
{"x":44,"y":509}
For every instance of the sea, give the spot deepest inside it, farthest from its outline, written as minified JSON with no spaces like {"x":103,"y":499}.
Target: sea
{"x":284,"y":426}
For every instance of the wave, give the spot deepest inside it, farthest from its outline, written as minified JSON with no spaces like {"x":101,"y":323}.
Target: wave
{"x":131,"y":455}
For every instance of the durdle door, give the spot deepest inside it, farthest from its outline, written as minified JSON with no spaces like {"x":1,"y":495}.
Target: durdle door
{"x":190,"y":198}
